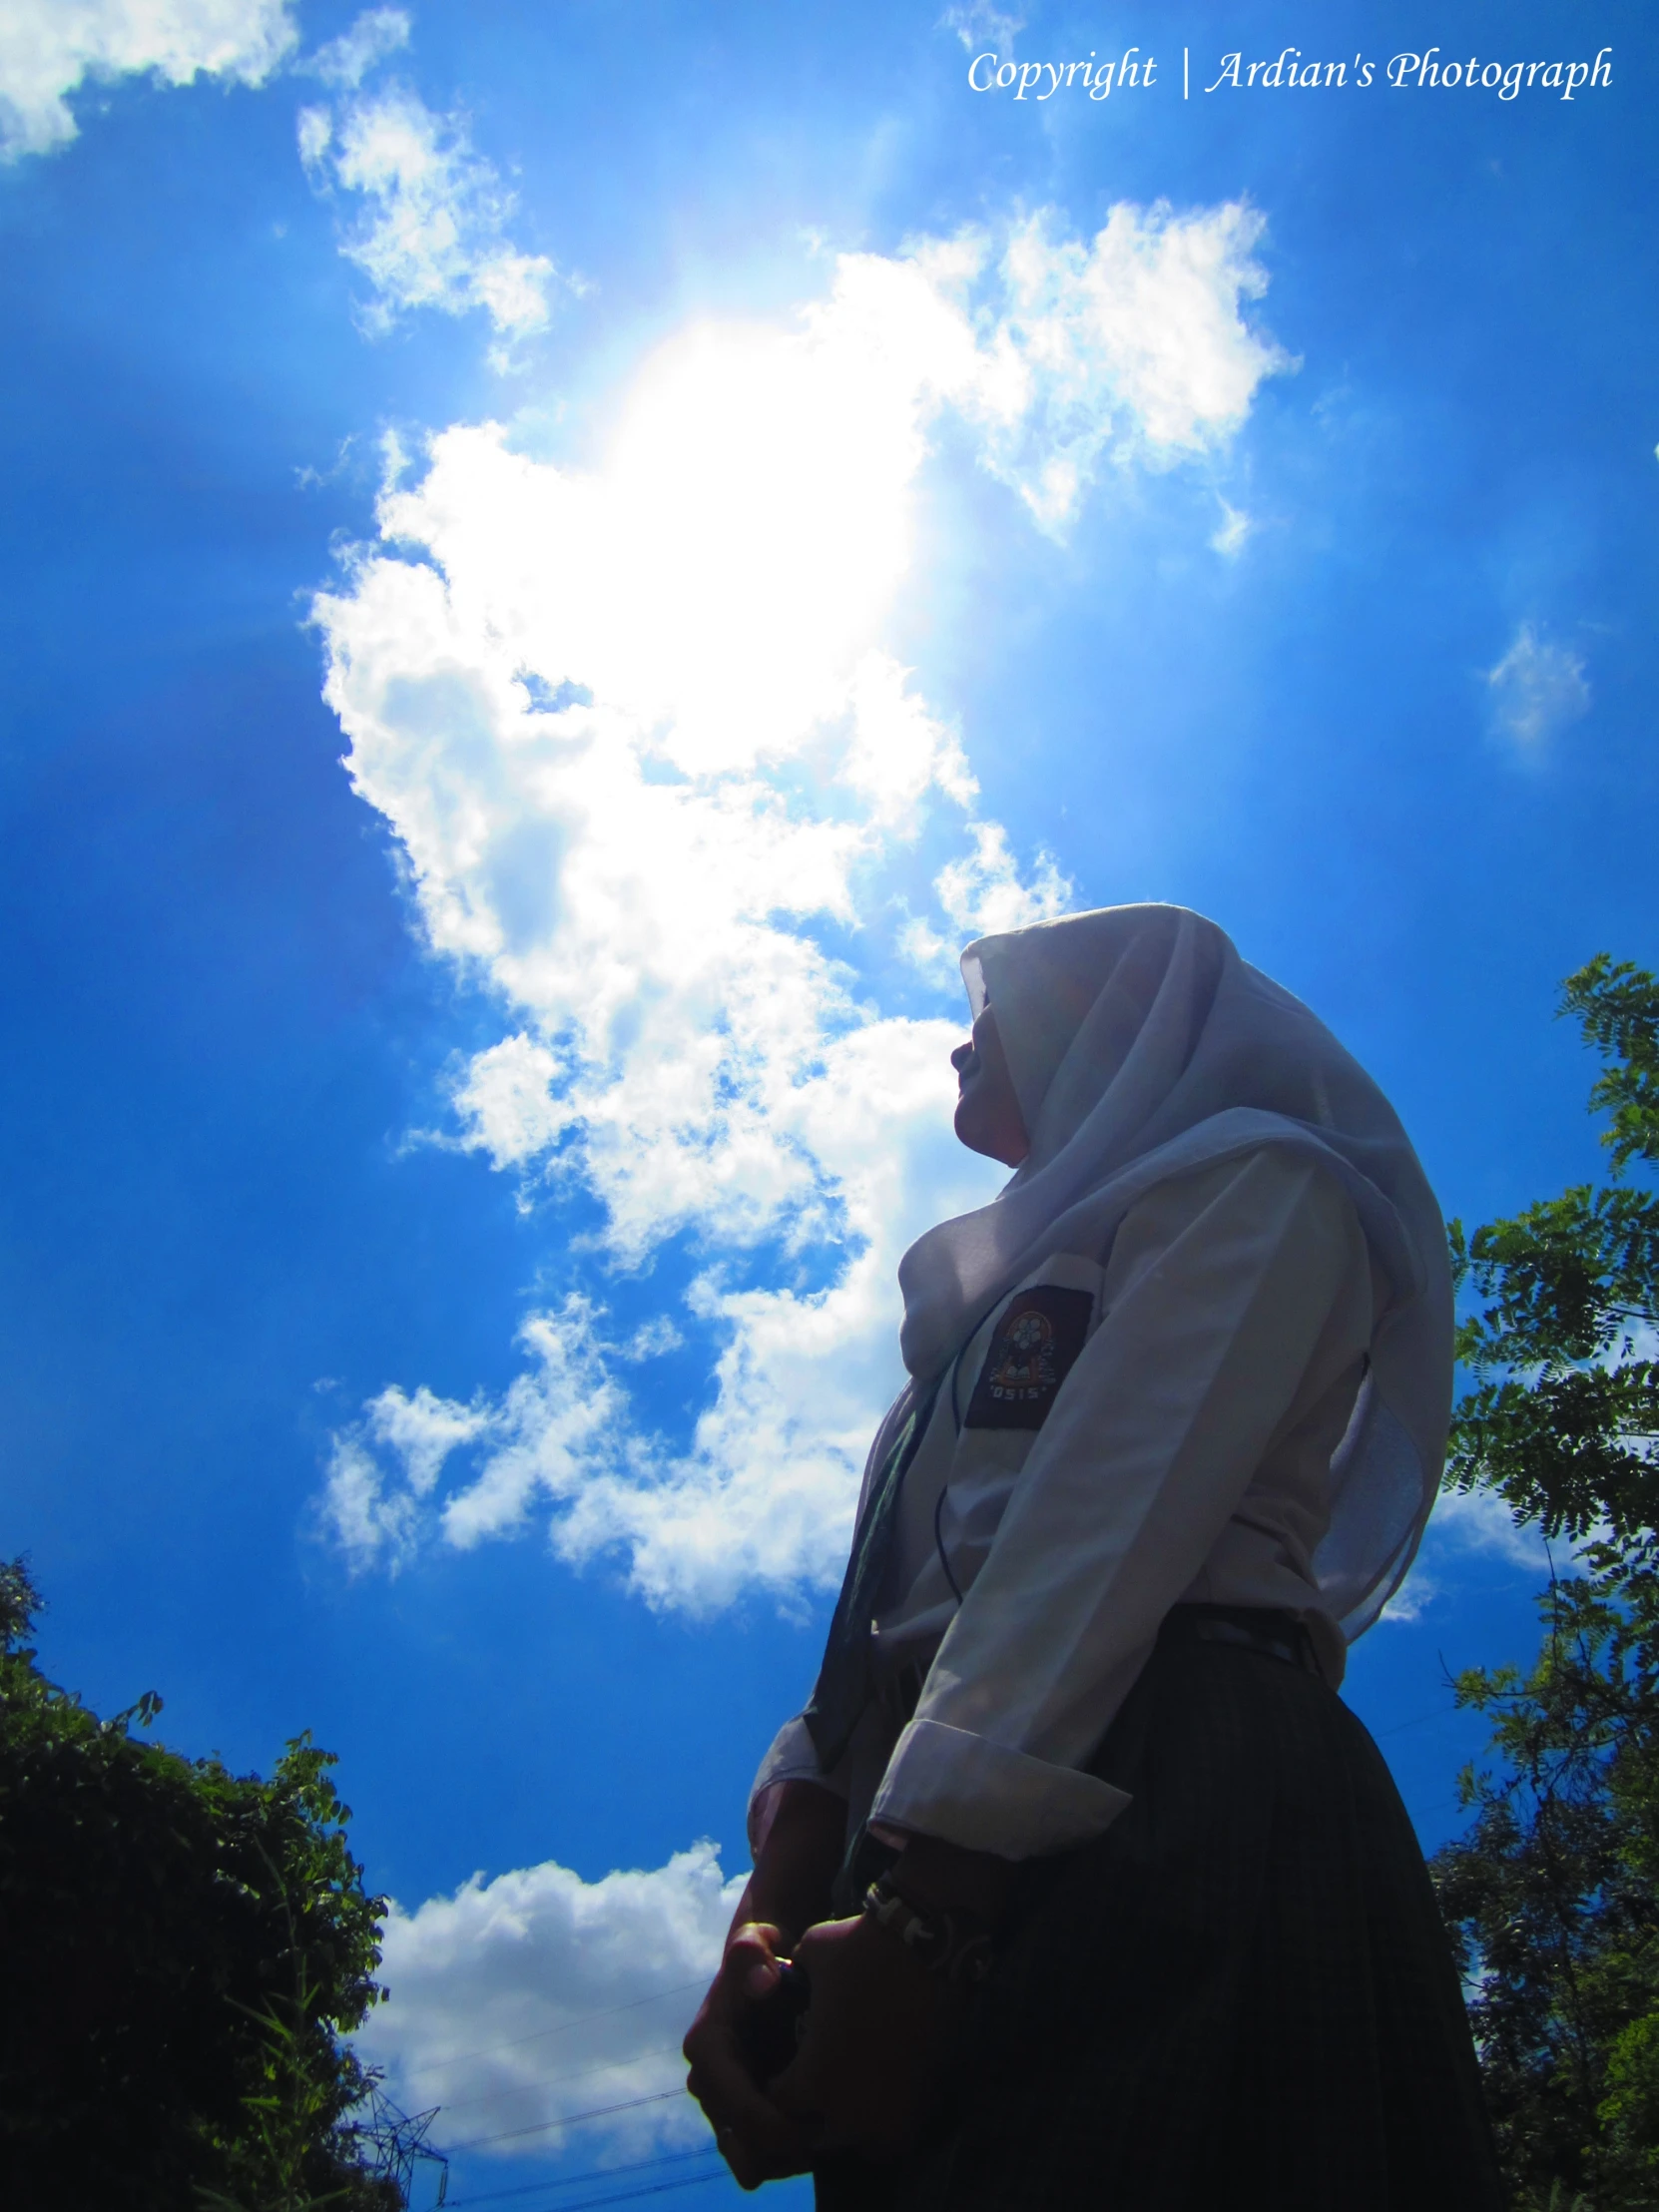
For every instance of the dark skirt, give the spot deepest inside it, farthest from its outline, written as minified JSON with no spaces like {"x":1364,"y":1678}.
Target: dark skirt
{"x":1240,"y":1995}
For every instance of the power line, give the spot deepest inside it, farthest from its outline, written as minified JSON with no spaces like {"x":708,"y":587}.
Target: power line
{"x":540,"y":2034}
{"x":592,"y":2173}
{"x":627,"y":2196}
{"x":553,"y":2081}
{"x":571,"y":2119}
{"x":1443,"y":1712}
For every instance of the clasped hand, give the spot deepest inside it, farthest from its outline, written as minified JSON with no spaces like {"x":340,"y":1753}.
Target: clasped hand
{"x":870,"y":2064}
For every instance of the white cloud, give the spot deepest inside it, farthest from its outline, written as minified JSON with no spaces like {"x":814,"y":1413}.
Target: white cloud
{"x":422,"y":1431}
{"x":895,"y":751}
{"x":1128,"y":347}
{"x":558,"y":1428}
{"x":1234,"y":528}
{"x":558,"y":1425}
{"x":346,"y":61}
{"x":1465,"y":1522}
{"x":519,"y":2001}
{"x":49,"y":48}
{"x":433,"y":233}
{"x":315,"y":128}
{"x":1478,"y":1521}
{"x":373,"y":1525}
{"x":375,"y":1517}
{"x":983,"y":892}
{"x":763,"y":1496}
{"x":1538,"y":689}
{"x":979,"y":25}
{"x":640,"y":735}
{"x":652,"y":1339}
{"x":1412,"y":1600}
{"x":980,"y":892}
{"x":506,"y":1101}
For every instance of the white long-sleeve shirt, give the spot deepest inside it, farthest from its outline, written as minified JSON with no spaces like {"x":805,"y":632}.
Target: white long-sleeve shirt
{"x":1184,"y":1456}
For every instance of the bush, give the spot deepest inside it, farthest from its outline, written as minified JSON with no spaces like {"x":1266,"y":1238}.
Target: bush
{"x":183,"y":1948}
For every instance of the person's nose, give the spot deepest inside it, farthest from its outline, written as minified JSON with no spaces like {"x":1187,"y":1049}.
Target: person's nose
{"x":961,"y":1056}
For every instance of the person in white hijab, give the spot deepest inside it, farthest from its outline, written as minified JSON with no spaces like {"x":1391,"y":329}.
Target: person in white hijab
{"x":1096,"y":1885}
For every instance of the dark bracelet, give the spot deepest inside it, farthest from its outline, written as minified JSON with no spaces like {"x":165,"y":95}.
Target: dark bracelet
{"x":951,"y":1948}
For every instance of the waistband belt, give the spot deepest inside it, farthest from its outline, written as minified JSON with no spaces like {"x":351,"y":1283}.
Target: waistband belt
{"x":1265,"y":1629}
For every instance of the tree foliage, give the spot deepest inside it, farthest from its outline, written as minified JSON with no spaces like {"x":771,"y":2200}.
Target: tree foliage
{"x":182,"y":1948}
{"x":1565,"y":1415}
{"x":1552,"y":1895}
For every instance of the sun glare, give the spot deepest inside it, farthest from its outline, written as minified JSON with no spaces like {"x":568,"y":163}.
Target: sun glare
{"x":761,"y":484}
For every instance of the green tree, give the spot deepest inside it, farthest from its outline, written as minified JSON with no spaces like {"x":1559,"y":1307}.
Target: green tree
{"x":182,"y":1948}
{"x":1552,"y":1896}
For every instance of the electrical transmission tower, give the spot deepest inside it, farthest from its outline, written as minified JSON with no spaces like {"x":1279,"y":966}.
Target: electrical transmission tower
{"x":391,"y":2141}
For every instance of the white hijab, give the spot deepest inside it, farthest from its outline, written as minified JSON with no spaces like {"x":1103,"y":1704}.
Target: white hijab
{"x":1141,"y":1046}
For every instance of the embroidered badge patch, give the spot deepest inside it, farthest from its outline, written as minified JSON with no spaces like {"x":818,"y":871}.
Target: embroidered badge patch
{"x":1040,"y":1333}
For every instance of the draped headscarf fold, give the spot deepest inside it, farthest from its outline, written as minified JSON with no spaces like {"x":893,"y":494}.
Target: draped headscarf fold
{"x":1141,"y":1046}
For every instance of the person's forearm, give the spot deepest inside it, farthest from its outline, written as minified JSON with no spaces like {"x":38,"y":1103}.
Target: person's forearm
{"x":789,"y":1886}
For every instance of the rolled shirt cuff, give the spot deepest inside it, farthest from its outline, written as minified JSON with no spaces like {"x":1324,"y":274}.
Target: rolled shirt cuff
{"x":793,"y":1758}
{"x":967,"y":1789}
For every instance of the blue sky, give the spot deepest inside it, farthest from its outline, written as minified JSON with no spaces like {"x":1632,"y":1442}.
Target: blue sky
{"x":558,"y":560}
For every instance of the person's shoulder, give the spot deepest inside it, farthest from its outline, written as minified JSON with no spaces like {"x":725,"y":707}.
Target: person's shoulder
{"x":1273,"y":1184}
